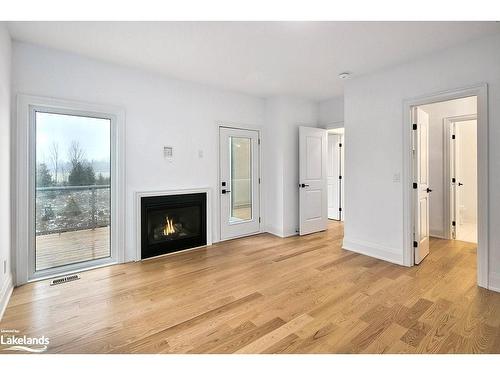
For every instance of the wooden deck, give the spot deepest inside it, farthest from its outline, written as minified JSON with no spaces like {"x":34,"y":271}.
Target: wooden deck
{"x":264,"y":294}
{"x":58,"y":249}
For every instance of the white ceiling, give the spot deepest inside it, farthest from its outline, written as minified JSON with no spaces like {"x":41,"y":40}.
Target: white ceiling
{"x":258,"y":58}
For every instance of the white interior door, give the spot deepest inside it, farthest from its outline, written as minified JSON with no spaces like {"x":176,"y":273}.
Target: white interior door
{"x":421,"y":185}
{"x":239,"y":182}
{"x":333,"y":176}
{"x":464,"y":190}
{"x":313,"y":204}
{"x":341,"y":178}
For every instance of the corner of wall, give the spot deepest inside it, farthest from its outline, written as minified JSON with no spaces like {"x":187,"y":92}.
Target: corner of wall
{"x":374,"y":250}
{"x":494,"y":281}
{"x":5,"y":293}
{"x":6,"y":277}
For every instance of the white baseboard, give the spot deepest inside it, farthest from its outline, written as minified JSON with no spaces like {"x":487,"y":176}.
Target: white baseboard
{"x":5,"y":294}
{"x":280,"y":233}
{"x":494,"y":281}
{"x":392,"y":255}
{"x":290,"y":234}
{"x":274,"y":231}
{"x":437,"y":235}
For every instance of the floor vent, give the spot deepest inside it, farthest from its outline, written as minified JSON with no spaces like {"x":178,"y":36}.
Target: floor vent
{"x":65,"y":279}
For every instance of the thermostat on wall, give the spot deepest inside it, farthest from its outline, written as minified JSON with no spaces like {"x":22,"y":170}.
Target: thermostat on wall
{"x":168,"y":151}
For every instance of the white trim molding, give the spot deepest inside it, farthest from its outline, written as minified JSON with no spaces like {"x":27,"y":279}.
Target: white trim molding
{"x":373,"y":250}
{"x":24,"y":159}
{"x":481,"y":92}
{"x":159,"y":193}
{"x":5,"y":293}
{"x":494,"y":281}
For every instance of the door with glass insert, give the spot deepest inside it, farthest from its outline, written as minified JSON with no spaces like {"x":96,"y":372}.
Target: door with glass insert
{"x":239,"y":182}
{"x":71,"y":177}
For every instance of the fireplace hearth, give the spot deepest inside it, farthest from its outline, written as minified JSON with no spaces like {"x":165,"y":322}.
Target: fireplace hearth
{"x":171,"y":223}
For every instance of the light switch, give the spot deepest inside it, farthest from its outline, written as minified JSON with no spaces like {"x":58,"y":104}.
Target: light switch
{"x":168,"y":152}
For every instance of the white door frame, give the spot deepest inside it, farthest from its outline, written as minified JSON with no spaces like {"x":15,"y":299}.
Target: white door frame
{"x":24,"y":196}
{"x":218,"y":187}
{"x":447,"y":187}
{"x":481,"y":91}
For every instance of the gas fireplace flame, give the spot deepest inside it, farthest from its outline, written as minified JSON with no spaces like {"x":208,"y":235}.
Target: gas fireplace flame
{"x":169,"y":227}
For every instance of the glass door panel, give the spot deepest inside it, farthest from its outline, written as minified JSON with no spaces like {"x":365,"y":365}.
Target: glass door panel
{"x":241,"y":178}
{"x":72,"y":189}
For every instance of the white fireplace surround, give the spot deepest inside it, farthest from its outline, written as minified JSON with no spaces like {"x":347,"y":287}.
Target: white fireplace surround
{"x":140,"y":194}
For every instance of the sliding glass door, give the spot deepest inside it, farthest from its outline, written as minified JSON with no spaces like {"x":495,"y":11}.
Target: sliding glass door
{"x":72,"y":190}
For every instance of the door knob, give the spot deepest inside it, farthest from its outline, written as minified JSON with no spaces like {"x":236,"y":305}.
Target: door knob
{"x":428,"y":190}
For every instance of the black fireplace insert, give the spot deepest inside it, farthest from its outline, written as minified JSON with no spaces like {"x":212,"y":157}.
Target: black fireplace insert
{"x":171,"y":223}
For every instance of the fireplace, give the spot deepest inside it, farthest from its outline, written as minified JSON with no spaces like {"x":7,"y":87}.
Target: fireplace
{"x":171,"y":223}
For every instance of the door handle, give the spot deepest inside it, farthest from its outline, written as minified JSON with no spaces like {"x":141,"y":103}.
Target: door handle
{"x":303,"y":185}
{"x":428,"y":190}
{"x":460,"y":184}
{"x":224,"y":191}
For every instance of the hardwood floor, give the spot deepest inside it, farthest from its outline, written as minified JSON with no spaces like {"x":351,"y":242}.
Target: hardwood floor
{"x":265,"y":294}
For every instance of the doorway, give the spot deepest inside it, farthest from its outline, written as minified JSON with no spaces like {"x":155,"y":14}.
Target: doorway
{"x":336,"y":174}
{"x":434,"y":183}
{"x":239,"y":182}
{"x":72,"y":194}
{"x":462,"y":165}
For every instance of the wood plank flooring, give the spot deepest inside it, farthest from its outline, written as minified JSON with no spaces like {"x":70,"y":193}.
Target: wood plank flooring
{"x":264,"y":294}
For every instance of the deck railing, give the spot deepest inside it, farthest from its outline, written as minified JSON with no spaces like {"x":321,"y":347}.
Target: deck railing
{"x":69,"y":208}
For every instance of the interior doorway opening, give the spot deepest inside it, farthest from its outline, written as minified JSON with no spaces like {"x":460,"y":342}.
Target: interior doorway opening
{"x":445,"y":173}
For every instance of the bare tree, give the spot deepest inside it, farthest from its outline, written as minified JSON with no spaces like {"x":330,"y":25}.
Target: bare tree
{"x":54,"y":160}
{"x":76,"y":155}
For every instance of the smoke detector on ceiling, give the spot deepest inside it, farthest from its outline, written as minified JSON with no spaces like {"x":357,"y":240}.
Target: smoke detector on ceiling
{"x":345,"y":75}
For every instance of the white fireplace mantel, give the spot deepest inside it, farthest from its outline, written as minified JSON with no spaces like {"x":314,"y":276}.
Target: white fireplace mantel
{"x":156,"y":193}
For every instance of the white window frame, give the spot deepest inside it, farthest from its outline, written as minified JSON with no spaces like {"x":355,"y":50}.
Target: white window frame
{"x":24,"y":177}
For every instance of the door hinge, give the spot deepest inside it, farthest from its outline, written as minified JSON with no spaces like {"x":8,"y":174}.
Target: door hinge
{"x":453,"y":224}
{"x":340,"y":177}
{"x":453,"y":180}
{"x":414,"y":126}
{"x":415,"y":185}
{"x":340,"y":209}
{"x":259,"y":219}
{"x":259,"y":180}
{"x":453,"y":136}
{"x":415,"y":244}
{"x":340,"y":144}
{"x":258,"y":141}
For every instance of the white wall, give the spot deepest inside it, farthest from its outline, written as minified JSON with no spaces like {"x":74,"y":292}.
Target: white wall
{"x":159,"y":111}
{"x":374,"y":124}
{"x":331,"y":112}
{"x":5,"y":180}
{"x":284,"y":115}
{"x":437,"y":113}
